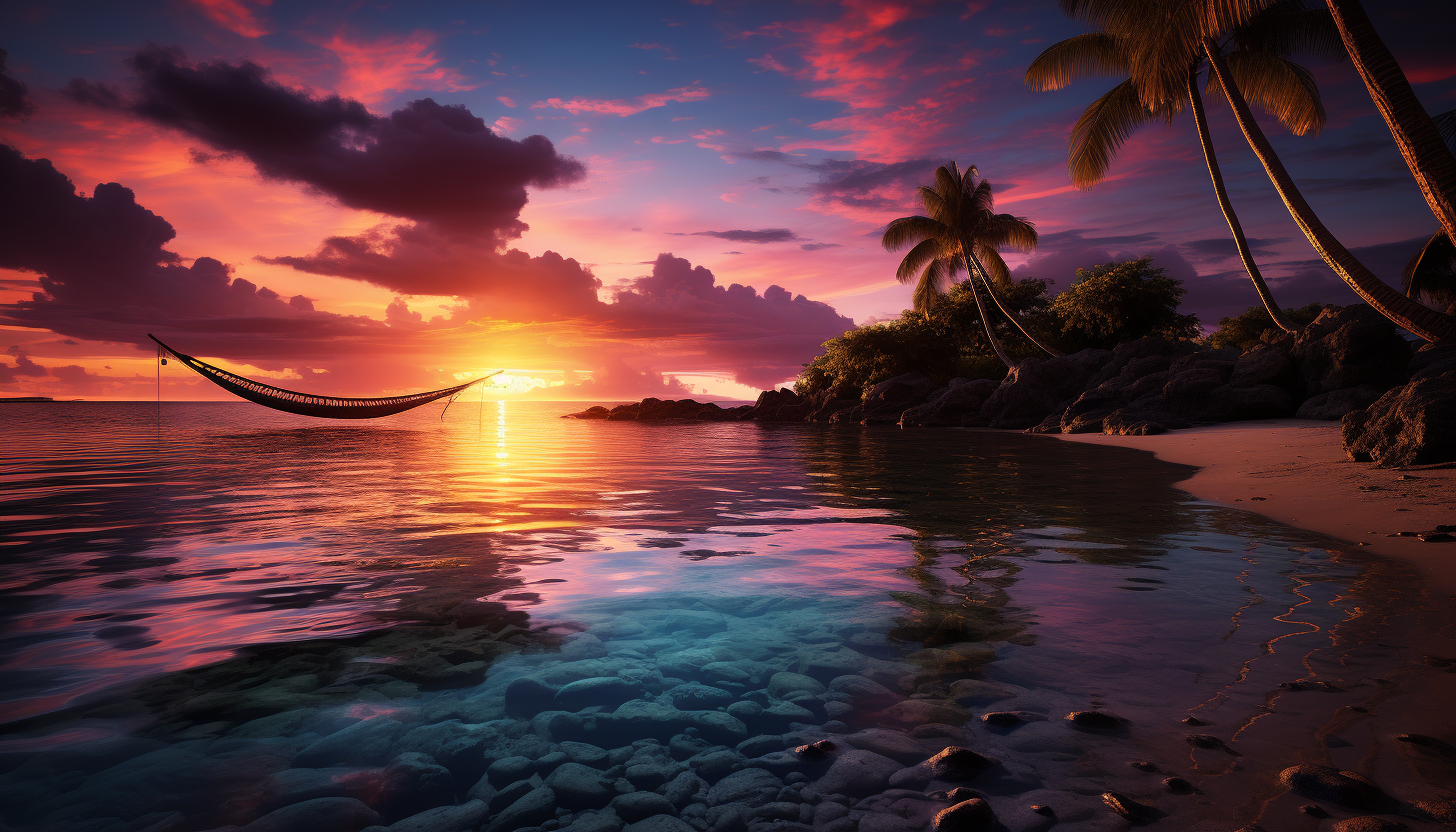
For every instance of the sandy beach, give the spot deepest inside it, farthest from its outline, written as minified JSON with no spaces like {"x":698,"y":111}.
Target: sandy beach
{"x":1295,"y":471}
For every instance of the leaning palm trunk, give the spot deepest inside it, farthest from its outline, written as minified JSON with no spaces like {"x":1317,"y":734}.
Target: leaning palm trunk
{"x":1429,"y":160}
{"x":1420,"y":320}
{"x":1214,"y":173}
{"x":991,"y":290}
{"x":990,"y":331}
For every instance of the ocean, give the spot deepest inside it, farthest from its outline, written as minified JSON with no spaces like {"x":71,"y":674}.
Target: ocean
{"x":205,"y":605}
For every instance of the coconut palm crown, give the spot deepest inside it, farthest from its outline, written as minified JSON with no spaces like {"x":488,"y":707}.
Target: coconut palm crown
{"x":1161,"y":36}
{"x":1260,"y":52}
{"x":960,"y":231}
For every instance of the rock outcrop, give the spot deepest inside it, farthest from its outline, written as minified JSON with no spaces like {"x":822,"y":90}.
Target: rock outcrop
{"x":1350,"y":363}
{"x":1410,"y":425}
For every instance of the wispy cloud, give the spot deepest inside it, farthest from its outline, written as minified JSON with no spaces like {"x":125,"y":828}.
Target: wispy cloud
{"x":625,"y":106}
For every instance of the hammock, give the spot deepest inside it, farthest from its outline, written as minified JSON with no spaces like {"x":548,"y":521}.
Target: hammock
{"x":307,"y":404}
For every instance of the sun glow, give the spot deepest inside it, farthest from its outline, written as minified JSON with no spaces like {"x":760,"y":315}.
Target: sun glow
{"x":508,"y":383}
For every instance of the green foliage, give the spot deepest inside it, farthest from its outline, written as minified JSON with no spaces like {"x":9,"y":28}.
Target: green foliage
{"x":1246,"y":329}
{"x":947,"y":343}
{"x":1116,"y":302}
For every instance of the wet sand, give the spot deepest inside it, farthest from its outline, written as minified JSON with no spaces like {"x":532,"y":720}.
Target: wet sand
{"x":1295,"y":471}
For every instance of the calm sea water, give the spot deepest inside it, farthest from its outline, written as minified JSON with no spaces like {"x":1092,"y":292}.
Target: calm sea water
{"x":138,"y":543}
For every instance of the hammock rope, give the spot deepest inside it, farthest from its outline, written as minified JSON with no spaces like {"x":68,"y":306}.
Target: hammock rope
{"x":309,"y":404}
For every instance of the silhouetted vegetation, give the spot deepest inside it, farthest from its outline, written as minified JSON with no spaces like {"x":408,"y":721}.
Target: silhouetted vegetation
{"x":1108,"y":304}
{"x":1248,"y":327}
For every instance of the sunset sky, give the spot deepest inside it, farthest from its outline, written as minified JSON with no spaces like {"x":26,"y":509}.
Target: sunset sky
{"x":615,"y":200}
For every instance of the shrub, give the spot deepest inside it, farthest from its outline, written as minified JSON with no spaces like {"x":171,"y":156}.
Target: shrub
{"x":1248,"y":327}
{"x":947,"y":343}
{"x":1116,"y":302}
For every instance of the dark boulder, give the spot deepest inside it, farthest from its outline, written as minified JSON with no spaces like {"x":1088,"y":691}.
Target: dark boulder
{"x":1264,"y":364}
{"x":782,"y":405}
{"x":1234,"y":404}
{"x":884,"y":403}
{"x":1032,"y":389}
{"x":1151,"y":384}
{"x":1137,"y":358}
{"x":1353,"y":346}
{"x":1410,"y":425}
{"x":825,"y":403}
{"x":1085,"y":415}
{"x":1333,"y":406}
{"x":1187,"y":392}
{"x":593,"y":412}
{"x":1141,"y":419}
{"x":961,"y":399}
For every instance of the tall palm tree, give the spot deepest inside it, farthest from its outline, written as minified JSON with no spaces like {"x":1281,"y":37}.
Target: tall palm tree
{"x":1431,"y":161}
{"x":1284,"y":89}
{"x":1162,"y":36}
{"x":962,"y":232}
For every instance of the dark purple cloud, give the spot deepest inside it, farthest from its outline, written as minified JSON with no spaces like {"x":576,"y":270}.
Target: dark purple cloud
{"x":427,"y":162}
{"x":15,"y":100}
{"x":1218,"y":248}
{"x":763,"y":235}
{"x":762,"y":339}
{"x":819,"y":246}
{"x":23,"y":367}
{"x":105,"y":275}
{"x":839,"y":177}
{"x":420,"y":260}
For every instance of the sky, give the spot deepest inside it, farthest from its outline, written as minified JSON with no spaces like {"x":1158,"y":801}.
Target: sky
{"x":606,"y":200}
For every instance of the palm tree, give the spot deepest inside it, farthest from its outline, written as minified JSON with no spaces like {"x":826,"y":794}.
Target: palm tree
{"x":1161,"y":37}
{"x":961,"y":233}
{"x":1284,"y":89}
{"x":1430,"y":160}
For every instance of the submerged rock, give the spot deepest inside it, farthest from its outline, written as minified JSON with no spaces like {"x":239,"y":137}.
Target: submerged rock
{"x":324,"y":814}
{"x":1328,"y":783}
{"x":972,"y":815}
{"x":857,"y":773}
{"x":1097,"y":720}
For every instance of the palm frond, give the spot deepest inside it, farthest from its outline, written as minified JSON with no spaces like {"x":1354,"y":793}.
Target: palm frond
{"x":1008,"y":231}
{"x":1446,"y":126}
{"x":907,"y":230}
{"x":1287,"y":28}
{"x":1221,"y":16}
{"x":931,"y":286}
{"x":1279,"y":87}
{"x":931,"y":200}
{"x":1102,"y":129}
{"x":918,"y":258}
{"x":1432,"y":271}
{"x":1095,"y":53}
{"x":996,"y":269}
{"x":947,"y":179}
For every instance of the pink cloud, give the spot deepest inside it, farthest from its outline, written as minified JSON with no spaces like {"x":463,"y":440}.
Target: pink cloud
{"x":235,"y":16}
{"x":625,"y":107}
{"x":372,"y":70}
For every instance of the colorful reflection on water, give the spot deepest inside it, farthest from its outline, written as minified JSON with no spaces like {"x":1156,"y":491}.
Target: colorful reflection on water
{"x":141,"y":543}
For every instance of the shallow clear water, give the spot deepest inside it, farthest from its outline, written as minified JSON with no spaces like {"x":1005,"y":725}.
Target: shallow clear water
{"x":139,"y":543}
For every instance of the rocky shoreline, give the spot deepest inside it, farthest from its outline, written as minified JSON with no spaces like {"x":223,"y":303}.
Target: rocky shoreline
{"x":671,"y":717}
{"x":1397,"y":404}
